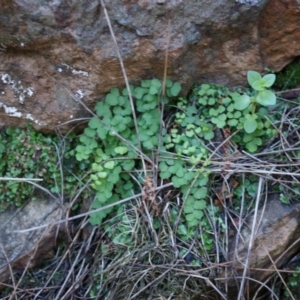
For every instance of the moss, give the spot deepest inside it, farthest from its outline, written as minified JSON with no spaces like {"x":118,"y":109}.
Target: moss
{"x":289,"y":77}
{"x":8,"y":40}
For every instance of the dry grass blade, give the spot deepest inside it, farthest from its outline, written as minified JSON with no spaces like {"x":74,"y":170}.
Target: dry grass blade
{"x":125,"y":78}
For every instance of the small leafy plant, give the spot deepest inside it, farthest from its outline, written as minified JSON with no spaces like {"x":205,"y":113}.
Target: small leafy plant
{"x":262,"y":96}
{"x":110,"y":142}
{"x":26,"y":153}
{"x":241,"y":113}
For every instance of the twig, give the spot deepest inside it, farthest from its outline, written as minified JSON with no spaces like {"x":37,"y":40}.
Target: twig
{"x":253,"y":233}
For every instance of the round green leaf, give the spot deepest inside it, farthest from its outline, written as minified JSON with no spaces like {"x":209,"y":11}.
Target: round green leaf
{"x":200,"y":193}
{"x":169,"y":83}
{"x":199,"y":204}
{"x":188,"y":209}
{"x":250,"y":125}
{"x":89,"y":132}
{"x":146,"y":83}
{"x":111,"y":99}
{"x":95,"y":123}
{"x":101,"y":175}
{"x":175,"y":89}
{"x":242,"y":102}
{"x":153,"y":90}
{"x":266,"y":98}
{"x":85,"y":140}
{"x":232,"y":122}
{"x":109,"y":165}
{"x":102,"y":132}
{"x":139,"y":92}
{"x":121,"y":150}
{"x":190,"y":217}
{"x":156,"y":83}
{"x":252,"y":147}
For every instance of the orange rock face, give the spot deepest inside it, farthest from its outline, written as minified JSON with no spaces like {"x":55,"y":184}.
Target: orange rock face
{"x":55,"y":53}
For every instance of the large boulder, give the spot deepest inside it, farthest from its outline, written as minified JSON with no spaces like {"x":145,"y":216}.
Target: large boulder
{"x":56,"y":52}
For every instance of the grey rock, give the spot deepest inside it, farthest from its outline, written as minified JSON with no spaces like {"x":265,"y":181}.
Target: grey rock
{"x":276,"y":236}
{"x":18,"y":250}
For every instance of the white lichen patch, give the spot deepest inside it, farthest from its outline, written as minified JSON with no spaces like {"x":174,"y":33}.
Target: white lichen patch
{"x":80,"y":72}
{"x":249,"y":2}
{"x":13,"y":112}
{"x":17,"y":87}
{"x":79,"y":94}
{"x":73,"y":70}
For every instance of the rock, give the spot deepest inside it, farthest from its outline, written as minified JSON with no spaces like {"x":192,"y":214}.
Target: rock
{"x":19,"y":251}
{"x":56,"y":52}
{"x":277,"y":236}
{"x":279,"y":33}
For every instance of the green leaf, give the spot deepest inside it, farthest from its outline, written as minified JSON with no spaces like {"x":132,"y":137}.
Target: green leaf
{"x":169,"y":83}
{"x":200,"y":204}
{"x":125,"y":91}
{"x":121,"y":150}
{"x":165,"y":174}
{"x":89,"y":132}
{"x":180,"y":172}
{"x":128,"y":165}
{"x":95,"y":123}
{"x":146,"y":83}
{"x":102,"y":109}
{"x":242,"y":102}
{"x":250,"y":124}
{"x":85,"y":140}
{"x":254,"y":79}
{"x":111,"y":99}
{"x":209,"y":135}
{"x":284,"y":199}
{"x":163,"y":166}
{"x":156,"y":83}
{"x":188,"y":208}
{"x":190,"y":217}
{"x":266,"y":98}
{"x":109,"y":165}
{"x":115,"y":92}
{"x":182,"y":230}
{"x":269,"y":80}
{"x":153,"y":90}
{"x":213,"y":112}
{"x":252,"y":147}
{"x":97,"y":167}
{"x":221,"y":109}
{"x":175,"y":89}
{"x":102,"y":132}
{"x":139,"y":92}
{"x":211,"y":101}
{"x":101,"y":175}
{"x":200,"y":193}
{"x":226,"y":100}
{"x":232,"y":122}
{"x":237,"y":114}
{"x":189,"y":133}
